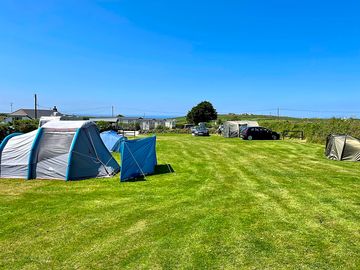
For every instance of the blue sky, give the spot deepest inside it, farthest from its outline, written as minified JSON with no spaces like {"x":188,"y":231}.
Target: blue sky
{"x":163,"y":57}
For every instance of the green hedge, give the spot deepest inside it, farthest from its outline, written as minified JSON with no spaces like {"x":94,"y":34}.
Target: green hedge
{"x":166,"y":131}
{"x":103,"y":125}
{"x":4,"y":131}
{"x":316,"y":130}
{"x":25,"y":126}
{"x":22,"y":126}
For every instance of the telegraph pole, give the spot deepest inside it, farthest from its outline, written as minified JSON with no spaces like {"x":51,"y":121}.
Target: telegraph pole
{"x":35,"y":100}
{"x":112,"y":111}
{"x":278,"y":112}
{"x":11,"y":104}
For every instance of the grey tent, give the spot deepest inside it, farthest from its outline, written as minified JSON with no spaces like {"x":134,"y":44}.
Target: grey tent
{"x":342,"y":147}
{"x":232,"y":129}
{"x":66,"y":150}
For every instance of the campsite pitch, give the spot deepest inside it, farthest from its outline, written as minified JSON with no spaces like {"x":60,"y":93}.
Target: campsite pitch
{"x":230,"y":204}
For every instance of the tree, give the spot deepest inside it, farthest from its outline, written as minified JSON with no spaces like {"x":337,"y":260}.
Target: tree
{"x":203,"y":112}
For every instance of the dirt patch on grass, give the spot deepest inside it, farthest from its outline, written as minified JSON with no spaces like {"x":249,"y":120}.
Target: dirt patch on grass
{"x":137,"y":227}
{"x":14,"y":187}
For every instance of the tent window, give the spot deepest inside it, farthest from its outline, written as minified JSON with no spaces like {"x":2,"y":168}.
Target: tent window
{"x":54,"y":144}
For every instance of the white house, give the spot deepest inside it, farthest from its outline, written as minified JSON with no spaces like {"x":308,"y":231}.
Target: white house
{"x":144,"y":123}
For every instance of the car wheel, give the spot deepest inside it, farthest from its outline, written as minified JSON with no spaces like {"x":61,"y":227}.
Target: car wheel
{"x":274,"y":137}
{"x":250,"y":138}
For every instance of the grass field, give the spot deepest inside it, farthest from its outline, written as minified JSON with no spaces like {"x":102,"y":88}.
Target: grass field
{"x":230,"y":204}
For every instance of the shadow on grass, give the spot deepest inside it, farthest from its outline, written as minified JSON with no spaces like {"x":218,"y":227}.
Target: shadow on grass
{"x":159,"y":169}
{"x":163,"y":169}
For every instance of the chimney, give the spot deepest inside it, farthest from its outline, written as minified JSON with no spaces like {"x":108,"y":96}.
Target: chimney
{"x":55,"y":111}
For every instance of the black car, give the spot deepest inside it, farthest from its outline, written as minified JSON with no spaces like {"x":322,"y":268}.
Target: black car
{"x":200,"y":131}
{"x":259,"y":133}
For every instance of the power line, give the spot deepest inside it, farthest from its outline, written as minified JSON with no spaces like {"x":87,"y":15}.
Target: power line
{"x":318,"y":111}
{"x":141,"y":111}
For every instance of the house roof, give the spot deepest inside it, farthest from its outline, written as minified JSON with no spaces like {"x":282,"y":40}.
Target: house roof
{"x":105,"y":119}
{"x":144,"y":119}
{"x":31,"y":113}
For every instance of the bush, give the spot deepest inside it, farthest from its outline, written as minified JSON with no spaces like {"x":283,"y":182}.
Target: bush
{"x":130,"y":126}
{"x":25,"y":126}
{"x":4,"y":131}
{"x":103,"y":125}
{"x":137,"y":126}
{"x":162,"y":128}
{"x":316,"y":130}
{"x":167,"y":131}
{"x":175,"y":131}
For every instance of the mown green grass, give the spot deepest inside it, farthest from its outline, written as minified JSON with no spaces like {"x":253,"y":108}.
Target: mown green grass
{"x":230,"y":204}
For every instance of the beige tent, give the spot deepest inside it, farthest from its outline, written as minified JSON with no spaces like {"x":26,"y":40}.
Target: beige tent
{"x":233,"y":128}
{"x":342,"y":147}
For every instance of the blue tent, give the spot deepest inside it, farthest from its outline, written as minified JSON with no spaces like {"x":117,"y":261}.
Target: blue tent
{"x":112,"y":140}
{"x":138,"y":158}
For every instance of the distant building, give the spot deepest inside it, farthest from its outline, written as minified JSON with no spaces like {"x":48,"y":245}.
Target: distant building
{"x":29,"y":114}
{"x":144,"y":123}
{"x":170,"y":123}
{"x":148,"y":123}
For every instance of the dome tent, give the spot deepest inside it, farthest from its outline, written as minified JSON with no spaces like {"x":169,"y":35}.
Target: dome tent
{"x":67,"y":150}
{"x":112,"y":140}
{"x":342,"y":147}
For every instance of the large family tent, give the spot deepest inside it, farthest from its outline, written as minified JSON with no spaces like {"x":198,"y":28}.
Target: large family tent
{"x":233,"y":129}
{"x":112,"y":140}
{"x":67,"y":150}
{"x":342,"y":147}
{"x":138,"y":158}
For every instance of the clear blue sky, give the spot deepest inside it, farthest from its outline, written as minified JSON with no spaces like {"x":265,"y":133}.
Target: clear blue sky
{"x":163,"y":57}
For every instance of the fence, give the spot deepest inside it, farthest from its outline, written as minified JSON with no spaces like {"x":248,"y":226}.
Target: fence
{"x":291,"y":134}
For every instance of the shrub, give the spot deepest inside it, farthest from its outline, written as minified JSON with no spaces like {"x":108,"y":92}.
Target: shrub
{"x":316,"y":130}
{"x":4,"y":131}
{"x":25,"y":126}
{"x":103,"y":125}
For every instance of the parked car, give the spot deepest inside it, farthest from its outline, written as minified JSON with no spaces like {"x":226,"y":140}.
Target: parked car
{"x":259,"y":133}
{"x":189,"y":126}
{"x":200,"y":131}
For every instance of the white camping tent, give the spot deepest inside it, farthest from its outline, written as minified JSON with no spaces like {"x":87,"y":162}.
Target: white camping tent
{"x":233,"y":128}
{"x":67,"y":150}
